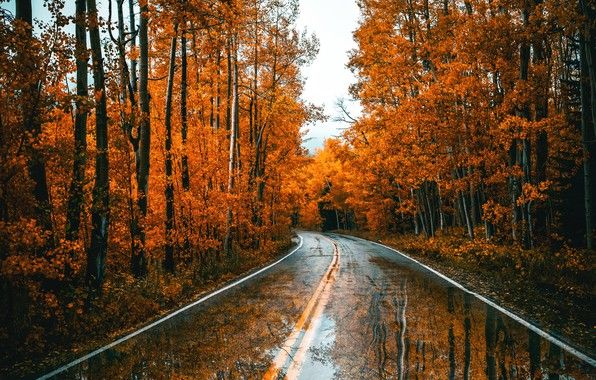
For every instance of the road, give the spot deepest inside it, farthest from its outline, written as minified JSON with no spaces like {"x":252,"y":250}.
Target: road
{"x":338,"y":307}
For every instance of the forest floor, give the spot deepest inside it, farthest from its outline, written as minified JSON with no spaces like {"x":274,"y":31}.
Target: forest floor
{"x":127,"y":305}
{"x":554,"y":292}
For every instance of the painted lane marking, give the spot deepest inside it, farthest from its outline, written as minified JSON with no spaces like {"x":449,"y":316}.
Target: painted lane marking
{"x":573,"y":351}
{"x":315,"y":320}
{"x":307,"y":324}
{"x":167,"y":317}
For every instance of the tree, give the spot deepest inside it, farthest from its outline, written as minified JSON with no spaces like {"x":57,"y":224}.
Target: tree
{"x":476,"y":133}
{"x":169,"y":190}
{"x":32,"y":124}
{"x":78,"y":173}
{"x":587,"y":137}
{"x":587,"y":36}
{"x":138,"y":260}
{"x":100,"y":213}
{"x":232,"y":190}
{"x":233,"y":144}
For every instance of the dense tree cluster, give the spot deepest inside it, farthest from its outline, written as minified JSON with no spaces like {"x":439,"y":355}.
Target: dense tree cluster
{"x":476,"y":114}
{"x":180,"y":149}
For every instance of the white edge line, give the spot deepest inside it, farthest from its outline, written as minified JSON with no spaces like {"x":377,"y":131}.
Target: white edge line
{"x":573,"y":351}
{"x":173,"y":314}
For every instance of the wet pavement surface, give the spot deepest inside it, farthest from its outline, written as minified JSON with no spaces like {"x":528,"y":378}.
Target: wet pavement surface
{"x":338,"y":308}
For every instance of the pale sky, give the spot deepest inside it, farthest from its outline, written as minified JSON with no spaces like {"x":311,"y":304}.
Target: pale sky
{"x":327,"y":78}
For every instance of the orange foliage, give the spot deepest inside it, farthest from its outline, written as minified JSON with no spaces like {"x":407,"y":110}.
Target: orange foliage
{"x":452,"y":132}
{"x":49,"y":270}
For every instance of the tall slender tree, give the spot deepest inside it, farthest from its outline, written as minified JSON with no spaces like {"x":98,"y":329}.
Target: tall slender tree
{"x":32,"y":125}
{"x":232,"y":152}
{"x":139,"y":260}
{"x":75,"y":199}
{"x":100,"y":213}
{"x":184,"y":110}
{"x":168,"y":263}
{"x":588,"y":144}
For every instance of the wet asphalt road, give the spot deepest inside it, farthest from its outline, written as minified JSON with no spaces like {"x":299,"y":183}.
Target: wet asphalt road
{"x":338,"y":308}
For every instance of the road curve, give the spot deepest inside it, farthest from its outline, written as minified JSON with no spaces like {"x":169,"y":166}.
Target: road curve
{"x":336,"y":307}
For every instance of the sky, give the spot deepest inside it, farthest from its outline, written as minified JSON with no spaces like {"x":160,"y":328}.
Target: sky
{"x":326,"y":79}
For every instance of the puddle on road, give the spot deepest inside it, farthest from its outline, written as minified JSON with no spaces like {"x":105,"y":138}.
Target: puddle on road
{"x":393,"y":322}
{"x":318,"y":364}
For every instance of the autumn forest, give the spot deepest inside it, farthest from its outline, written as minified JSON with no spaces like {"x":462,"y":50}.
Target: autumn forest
{"x":151,"y":150}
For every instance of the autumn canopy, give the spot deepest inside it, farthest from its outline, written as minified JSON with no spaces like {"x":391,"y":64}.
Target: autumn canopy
{"x":152,"y":146}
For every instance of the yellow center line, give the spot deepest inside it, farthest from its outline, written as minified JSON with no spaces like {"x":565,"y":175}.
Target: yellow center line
{"x":313,"y":311}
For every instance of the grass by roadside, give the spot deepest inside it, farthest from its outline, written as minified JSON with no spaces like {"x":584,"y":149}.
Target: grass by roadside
{"x":555,"y":291}
{"x":126,"y":305}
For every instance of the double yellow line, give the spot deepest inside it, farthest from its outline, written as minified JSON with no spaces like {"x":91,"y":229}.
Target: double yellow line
{"x":305,"y":328}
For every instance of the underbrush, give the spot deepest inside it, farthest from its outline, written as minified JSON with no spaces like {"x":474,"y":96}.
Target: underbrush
{"x":46,"y":324}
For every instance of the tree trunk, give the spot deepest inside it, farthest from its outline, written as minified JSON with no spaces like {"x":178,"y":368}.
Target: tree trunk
{"x":473,"y":204}
{"x":229,"y":121}
{"x":183,"y":112}
{"x":133,"y":42}
{"x":127,"y":93}
{"x":431,"y":211}
{"x":517,"y":155}
{"x":232,"y":156}
{"x":415,"y":216}
{"x":587,"y":41}
{"x":541,"y":226}
{"x":218,"y":93}
{"x":467,"y":218}
{"x":75,"y":198}
{"x":184,"y":134}
{"x":168,"y":263}
{"x":422,"y":213}
{"x":32,"y":127}
{"x":587,"y":137}
{"x":101,"y":190}
{"x":138,"y":260}
{"x":589,"y":37}
{"x":440,"y":206}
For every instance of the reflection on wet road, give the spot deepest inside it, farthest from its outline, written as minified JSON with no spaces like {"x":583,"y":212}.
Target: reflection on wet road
{"x":343,"y":308}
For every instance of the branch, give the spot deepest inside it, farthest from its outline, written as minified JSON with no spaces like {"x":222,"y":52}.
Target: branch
{"x":345,"y":116}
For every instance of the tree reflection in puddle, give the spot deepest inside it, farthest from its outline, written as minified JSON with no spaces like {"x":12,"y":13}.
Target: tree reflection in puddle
{"x":318,"y":363}
{"x":416,"y":327}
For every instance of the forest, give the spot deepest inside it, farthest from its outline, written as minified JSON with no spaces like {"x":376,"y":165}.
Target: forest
{"x":148,"y":150}
{"x":155,"y":148}
{"x":478,"y":118}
